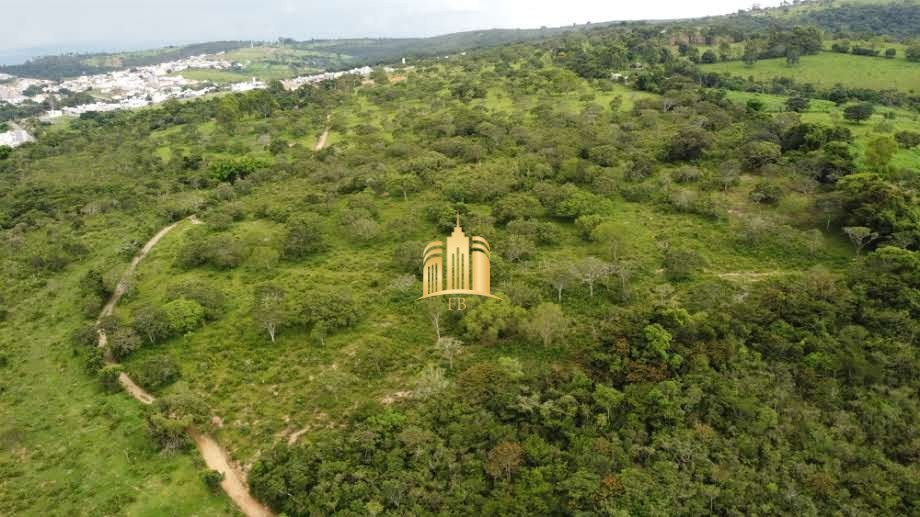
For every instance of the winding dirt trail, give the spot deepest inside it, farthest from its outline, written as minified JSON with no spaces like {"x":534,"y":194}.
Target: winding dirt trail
{"x":215,"y":457}
{"x":321,"y":143}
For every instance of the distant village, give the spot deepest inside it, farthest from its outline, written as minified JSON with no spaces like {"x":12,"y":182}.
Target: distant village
{"x":134,"y":88}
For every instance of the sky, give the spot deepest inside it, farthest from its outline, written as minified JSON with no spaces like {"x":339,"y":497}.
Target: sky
{"x":53,"y":26}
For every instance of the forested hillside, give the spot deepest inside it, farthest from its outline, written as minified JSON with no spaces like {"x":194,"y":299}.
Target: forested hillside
{"x":708,"y":293}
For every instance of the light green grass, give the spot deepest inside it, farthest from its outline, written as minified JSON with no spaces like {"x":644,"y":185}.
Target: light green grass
{"x":826,"y":69}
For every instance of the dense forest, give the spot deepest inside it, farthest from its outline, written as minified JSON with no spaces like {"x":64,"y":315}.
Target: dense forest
{"x":708,"y":296}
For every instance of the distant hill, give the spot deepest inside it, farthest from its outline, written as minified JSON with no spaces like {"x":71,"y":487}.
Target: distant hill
{"x":332,"y":54}
{"x":854,"y":19}
{"x":76,"y":64}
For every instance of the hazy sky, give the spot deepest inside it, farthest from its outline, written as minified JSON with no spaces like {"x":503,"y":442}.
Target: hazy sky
{"x":123,"y":24}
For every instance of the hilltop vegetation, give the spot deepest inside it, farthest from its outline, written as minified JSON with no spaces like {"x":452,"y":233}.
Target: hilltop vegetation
{"x":708,"y":296}
{"x":285,"y":58}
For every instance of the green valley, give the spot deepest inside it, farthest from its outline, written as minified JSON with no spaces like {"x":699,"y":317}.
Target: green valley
{"x":707,"y":282}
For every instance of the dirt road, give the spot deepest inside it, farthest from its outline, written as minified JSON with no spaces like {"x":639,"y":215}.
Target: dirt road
{"x":233,"y":484}
{"x":215,"y":457}
{"x":321,"y":143}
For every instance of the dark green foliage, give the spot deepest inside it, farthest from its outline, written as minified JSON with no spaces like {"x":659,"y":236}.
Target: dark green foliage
{"x":766,"y":192}
{"x":681,"y":264}
{"x":219,"y":251}
{"x":109,"y":375}
{"x":755,"y":155}
{"x":872,"y":202}
{"x":235,"y":169}
{"x":797,"y":104}
{"x":183,"y":315}
{"x":896,"y":19}
{"x":863,"y":51}
{"x":212,"y":479}
{"x":155,"y":372}
{"x":688,"y":144}
{"x":170,"y":417}
{"x":304,"y":236}
{"x":907,"y":139}
{"x":84,"y":335}
{"x":517,"y":206}
{"x":858,"y":112}
{"x":913,"y":52}
{"x":211,"y":299}
{"x":328,"y":309}
{"x":151,"y":323}
{"x":122,"y":342}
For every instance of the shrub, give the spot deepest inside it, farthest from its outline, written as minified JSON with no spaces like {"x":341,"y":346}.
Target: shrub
{"x":123,"y":342}
{"x":155,"y":372}
{"x":517,"y":206}
{"x":109,"y":375}
{"x":210,"y":298}
{"x":490,"y":320}
{"x":85,"y":335}
{"x":183,"y":315}
{"x":681,"y":264}
{"x":907,"y":139}
{"x":304,"y":236}
{"x":755,"y":155}
{"x":169,"y":418}
{"x":213,"y":478}
{"x":151,"y":323}
{"x":329,"y":309}
{"x":221,"y":251}
{"x":766,"y":192}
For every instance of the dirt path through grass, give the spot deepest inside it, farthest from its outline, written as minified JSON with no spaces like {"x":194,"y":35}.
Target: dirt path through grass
{"x":215,"y":457}
{"x":321,"y":143}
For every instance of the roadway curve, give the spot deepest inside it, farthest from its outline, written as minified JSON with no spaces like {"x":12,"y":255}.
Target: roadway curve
{"x":215,"y":457}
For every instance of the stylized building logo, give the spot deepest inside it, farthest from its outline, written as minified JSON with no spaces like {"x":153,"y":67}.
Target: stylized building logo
{"x":461,"y":266}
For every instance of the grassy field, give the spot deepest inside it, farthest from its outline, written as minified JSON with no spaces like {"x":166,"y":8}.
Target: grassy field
{"x":826,"y":69}
{"x":828,"y":113}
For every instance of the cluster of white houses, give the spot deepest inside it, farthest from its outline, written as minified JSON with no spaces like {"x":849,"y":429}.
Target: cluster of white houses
{"x":138,"y":87}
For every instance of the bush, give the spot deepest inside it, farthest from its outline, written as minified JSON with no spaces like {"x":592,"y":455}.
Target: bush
{"x":766,"y":192}
{"x":797,"y":104}
{"x":543,"y":232}
{"x":123,"y":342}
{"x":210,"y":298}
{"x":85,"y":335}
{"x":907,"y":139}
{"x":329,"y":309}
{"x":109,"y":375}
{"x":183,"y":315}
{"x":755,"y":155}
{"x":490,"y":320}
{"x":213,"y":478}
{"x":169,"y":418}
{"x":151,"y":323}
{"x":517,"y":206}
{"x":681,"y":264}
{"x":155,"y":372}
{"x":220,"y":251}
{"x":304,"y":236}
{"x":587,"y":223}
